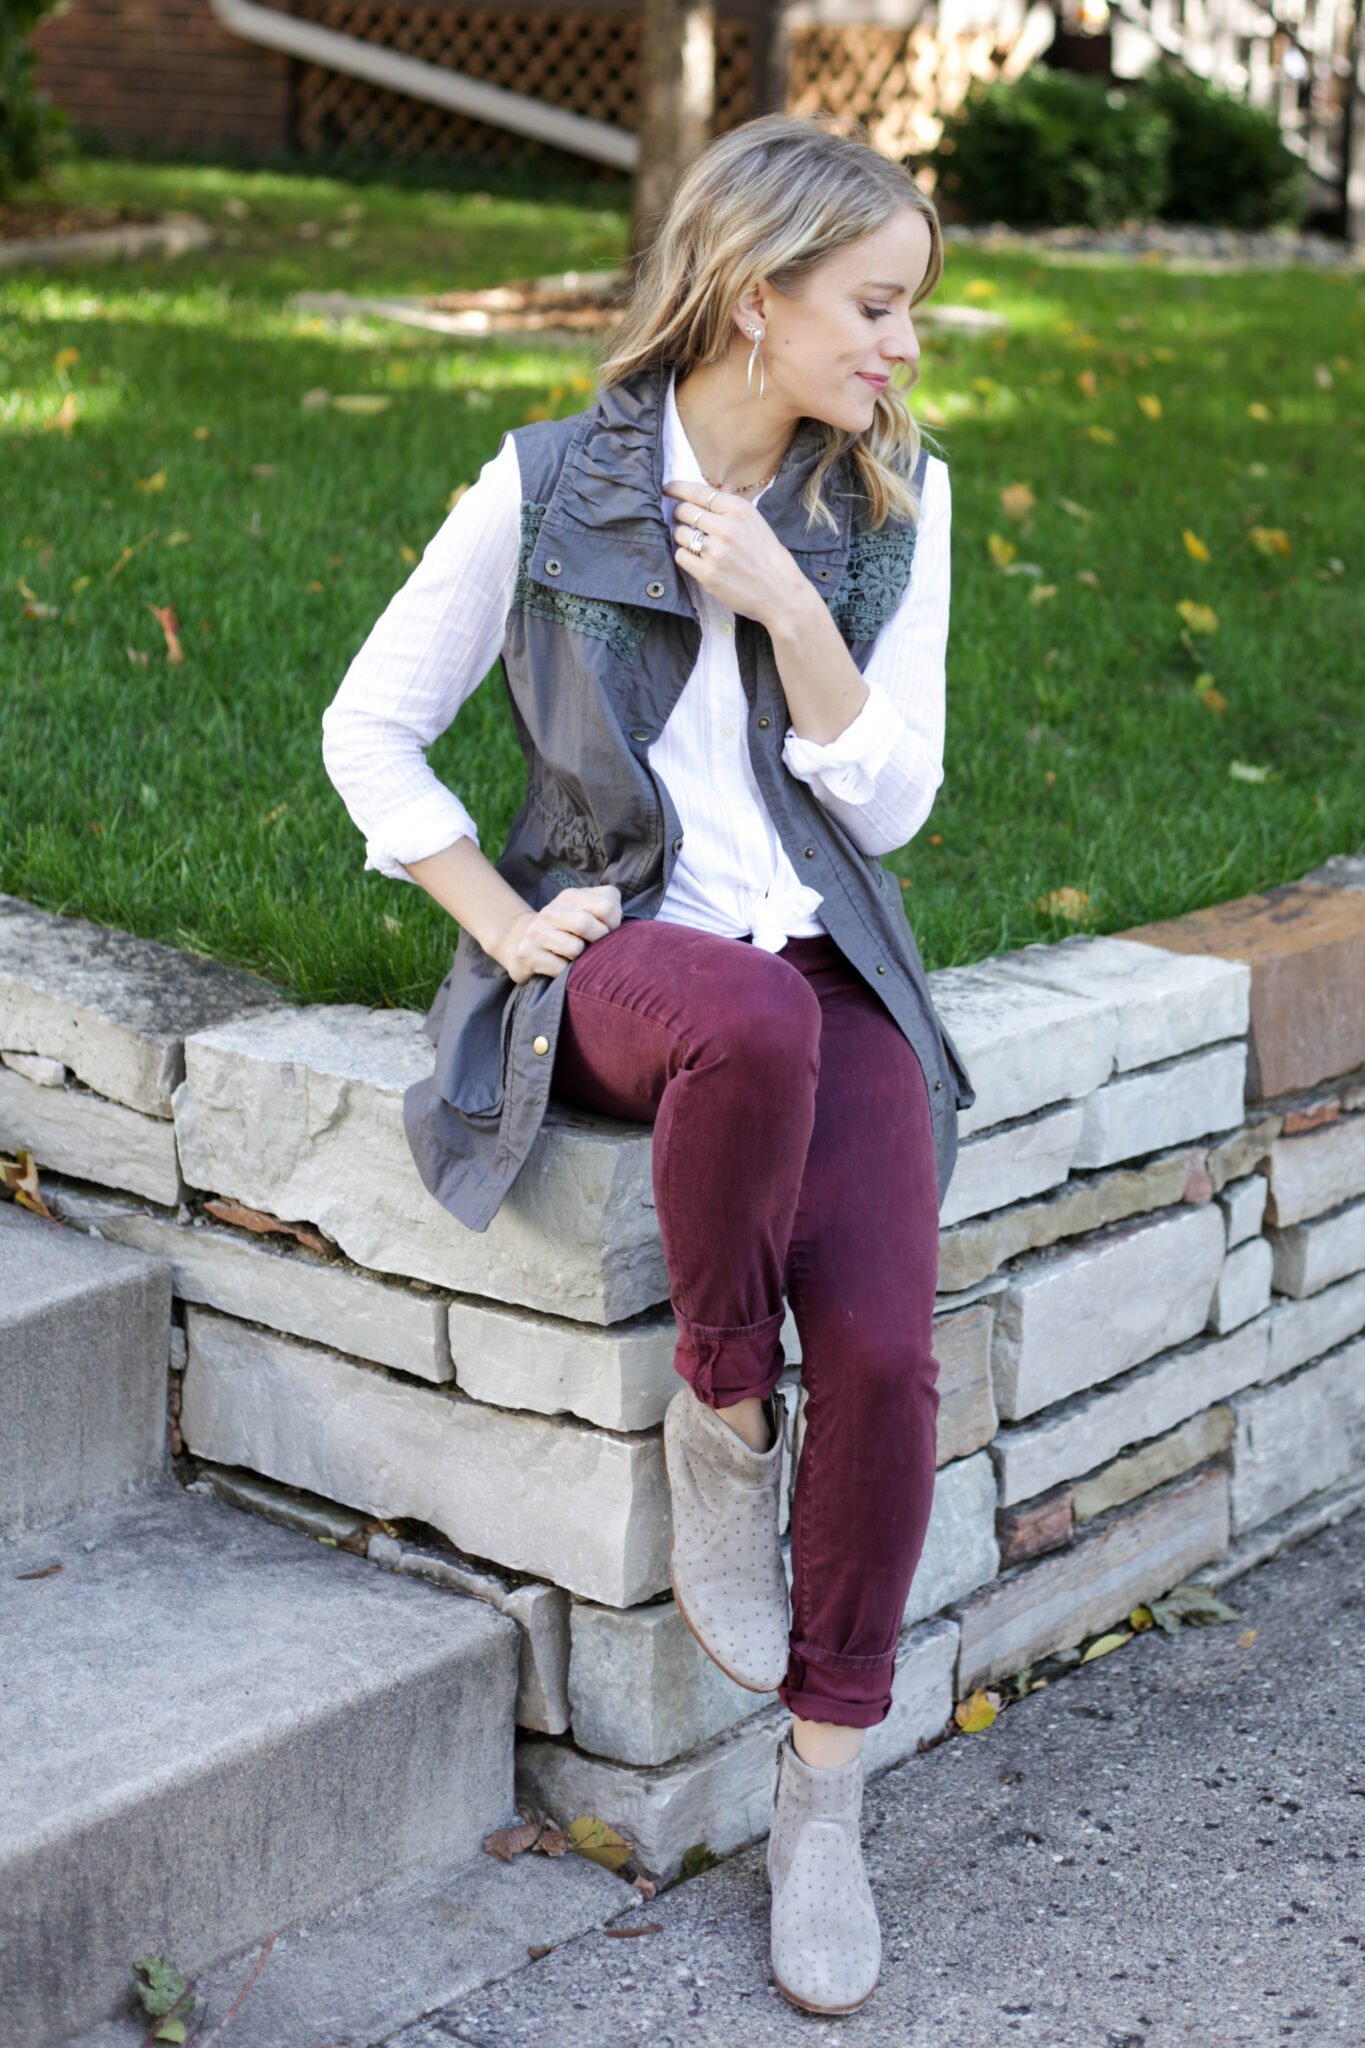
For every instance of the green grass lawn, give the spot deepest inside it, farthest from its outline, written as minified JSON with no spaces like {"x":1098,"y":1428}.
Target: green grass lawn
{"x":157,"y":452}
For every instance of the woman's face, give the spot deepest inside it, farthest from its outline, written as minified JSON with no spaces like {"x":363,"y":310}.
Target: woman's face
{"x":829,"y":349}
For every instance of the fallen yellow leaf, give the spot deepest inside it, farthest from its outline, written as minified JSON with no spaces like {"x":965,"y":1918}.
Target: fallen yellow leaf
{"x":1257,"y":411}
{"x":974,"y":1713}
{"x":1271,"y":540}
{"x":1041,"y":592}
{"x":1101,"y":434}
{"x":1196,"y":547}
{"x":1150,"y":404}
{"x":598,"y":1842}
{"x":1102,"y":1645}
{"x":1069,"y":903}
{"x":155,"y":482}
{"x":1002,"y":551}
{"x":1200,"y":618}
{"x":1088,"y":383}
{"x":65,"y":357}
{"x":1017,"y":501}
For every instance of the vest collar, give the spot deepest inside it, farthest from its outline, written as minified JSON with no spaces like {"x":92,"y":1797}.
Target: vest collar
{"x":604,"y":527}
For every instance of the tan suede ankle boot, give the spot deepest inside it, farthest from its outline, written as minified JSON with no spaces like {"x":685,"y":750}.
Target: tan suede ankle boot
{"x":727,"y":1570}
{"x":826,"y":1941}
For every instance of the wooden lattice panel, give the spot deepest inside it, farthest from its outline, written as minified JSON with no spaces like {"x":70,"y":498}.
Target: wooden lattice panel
{"x":899,"y":81}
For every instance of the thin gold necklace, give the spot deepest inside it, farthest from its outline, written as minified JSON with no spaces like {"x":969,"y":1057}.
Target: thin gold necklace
{"x":761,"y":485}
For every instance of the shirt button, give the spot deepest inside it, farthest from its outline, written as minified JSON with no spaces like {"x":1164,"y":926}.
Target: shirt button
{"x":726,"y":627}
{"x":541,"y":1044}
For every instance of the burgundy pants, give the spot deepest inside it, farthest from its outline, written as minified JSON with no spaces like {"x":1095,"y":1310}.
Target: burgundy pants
{"x":793,"y":1152}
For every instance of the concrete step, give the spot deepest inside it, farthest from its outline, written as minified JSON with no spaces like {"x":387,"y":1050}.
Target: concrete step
{"x":217,"y":1729}
{"x":84,"y":1335}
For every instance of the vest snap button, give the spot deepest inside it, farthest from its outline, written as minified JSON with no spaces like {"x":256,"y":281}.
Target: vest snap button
{"x":937,"y":1086}
{"x":824,"y":575}
{"x":552,"y":567}
{"x":764,"y":723}
{"x":654,"y":588}
{"x":677,"y":844}
{"x":638,"y":735}
{"x":541,"y":1044}
{"x":810,"y":853}
{"x":880,"y":968}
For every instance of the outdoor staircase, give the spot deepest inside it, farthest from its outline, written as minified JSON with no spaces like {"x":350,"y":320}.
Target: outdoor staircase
{"x":212,"y":1728}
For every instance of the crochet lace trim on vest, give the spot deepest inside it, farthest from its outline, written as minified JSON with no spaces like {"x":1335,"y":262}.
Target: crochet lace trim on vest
{"x":622,"y":626}
{"x":873,"y":581}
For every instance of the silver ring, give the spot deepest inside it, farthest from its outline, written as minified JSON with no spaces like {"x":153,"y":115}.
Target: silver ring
{"x":695,"y":539}
{"x":715,"y":493}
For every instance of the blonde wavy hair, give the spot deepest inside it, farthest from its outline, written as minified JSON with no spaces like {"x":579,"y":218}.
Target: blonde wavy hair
{"x":768,"y":201}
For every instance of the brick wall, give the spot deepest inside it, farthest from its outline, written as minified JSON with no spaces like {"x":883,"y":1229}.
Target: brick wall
{"x":164,"y":72}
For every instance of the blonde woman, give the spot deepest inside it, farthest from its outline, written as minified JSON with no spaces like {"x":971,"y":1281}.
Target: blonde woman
{"x":720,"y":596}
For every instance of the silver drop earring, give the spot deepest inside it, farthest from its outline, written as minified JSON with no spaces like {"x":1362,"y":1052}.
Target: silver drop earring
{"x":757,"y":333}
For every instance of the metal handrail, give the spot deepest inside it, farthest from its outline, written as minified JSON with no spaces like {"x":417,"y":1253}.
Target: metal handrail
{"x":433,"y":83}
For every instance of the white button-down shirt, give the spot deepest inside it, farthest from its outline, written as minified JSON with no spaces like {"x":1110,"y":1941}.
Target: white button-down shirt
{"x":441,"y":633}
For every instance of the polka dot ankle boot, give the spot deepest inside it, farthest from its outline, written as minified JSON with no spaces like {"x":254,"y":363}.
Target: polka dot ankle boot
{"x":826,"y":1942}
{"x":727,"y":1570}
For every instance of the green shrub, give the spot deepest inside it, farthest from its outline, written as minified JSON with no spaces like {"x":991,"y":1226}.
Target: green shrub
{"x":1229,"y":164}
{"x":32,"y":132}
{"x":1052,"y":149}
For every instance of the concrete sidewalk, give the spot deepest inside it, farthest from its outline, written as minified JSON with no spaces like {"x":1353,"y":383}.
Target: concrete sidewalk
{"x":1165,"y":1847}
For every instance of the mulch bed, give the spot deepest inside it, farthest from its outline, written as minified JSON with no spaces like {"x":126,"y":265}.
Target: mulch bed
{"x":38,"y":220}
{"x":529,"y":303}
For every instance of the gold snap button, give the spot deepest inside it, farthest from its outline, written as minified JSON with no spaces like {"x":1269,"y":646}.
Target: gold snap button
{"x":654,"y":588}
{"x":552,"y":567}
{"x":541,"y":1044}
{"x":764,"y":723}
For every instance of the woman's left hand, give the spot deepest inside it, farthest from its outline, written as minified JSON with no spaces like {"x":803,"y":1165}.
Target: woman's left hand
{"x":742,"y":563}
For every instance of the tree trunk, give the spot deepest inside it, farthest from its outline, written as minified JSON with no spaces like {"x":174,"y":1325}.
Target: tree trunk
{"x":770,"y":59}
{"x":677,"y":105}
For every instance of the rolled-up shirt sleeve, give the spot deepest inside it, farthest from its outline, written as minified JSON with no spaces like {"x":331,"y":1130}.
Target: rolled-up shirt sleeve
{"x":425,"y":656}
{"x":880,"y":776}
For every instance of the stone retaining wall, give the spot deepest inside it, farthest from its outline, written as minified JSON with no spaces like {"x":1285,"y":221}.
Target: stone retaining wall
{"x":1151,"y":1326}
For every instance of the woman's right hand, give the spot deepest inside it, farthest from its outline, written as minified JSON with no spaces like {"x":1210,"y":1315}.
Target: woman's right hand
{"x":547,"y":941}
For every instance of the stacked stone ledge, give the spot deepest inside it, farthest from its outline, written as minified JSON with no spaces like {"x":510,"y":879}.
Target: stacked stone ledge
{"x":1151,"y":1326}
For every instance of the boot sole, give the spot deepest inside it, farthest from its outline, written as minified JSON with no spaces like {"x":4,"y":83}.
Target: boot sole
{"x":808,"y":2005}
{"x":691,"y":1626}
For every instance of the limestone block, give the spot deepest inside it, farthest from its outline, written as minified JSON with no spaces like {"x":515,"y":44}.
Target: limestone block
{"x":1154,"y":1107}
{"x":1310,"y":1256}
{"x":286,"y":1287}
{"x":308,"y":1512}
{"x":299,"y":1112}
{"x":1166,"y":1003}
{"x":43,"y":1072}
{"x":1034,"y":1526}
{"x":1317,"y":1171}
{"x":1298,"y":1436}
{"x":583,"y":1508}
{"x":113,"y":1008}
{"x":541,"y":1612}
{"x":1305,"y":945}
{"x":1245,"y":1151}
{"x":960,"y":1550}
{"x":1204,"y":1436}
{"x":1243,"y":1289}
{"x":1079,"y":1435}
{"x":1137,"y":1555}
{"x":621,"y":1377}
{"x":966,"y":1405}
{"x":721,"y":1794}
{"x":1071,"y":1319}
{"x":1007,"y":1165}
{"x":69,"y":1130}
{"x":971,"y":1251}
{"x":1025,"y":1046}
{"x":642,"y":1689}
{"x":1243,"y":1205}
{"x":1300,"y":1330}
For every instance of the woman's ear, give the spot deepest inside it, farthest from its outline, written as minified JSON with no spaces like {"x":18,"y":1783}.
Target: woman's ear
{"x":749,"y":314}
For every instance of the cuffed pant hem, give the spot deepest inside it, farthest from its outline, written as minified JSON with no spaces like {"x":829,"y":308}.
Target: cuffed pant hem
{"x":727,"y":1363}
{"x":854,"y":1692}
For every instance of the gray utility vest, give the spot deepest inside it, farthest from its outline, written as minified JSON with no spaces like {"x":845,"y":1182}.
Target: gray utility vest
{"x":601,"y":637}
